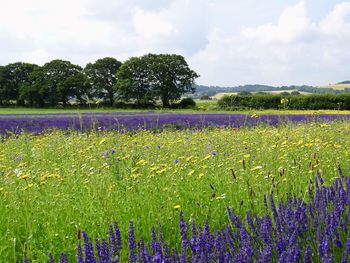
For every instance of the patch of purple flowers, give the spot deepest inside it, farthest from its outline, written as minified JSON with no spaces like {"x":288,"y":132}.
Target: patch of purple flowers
{"x":37,"y":123}
{"x":289,"y":231}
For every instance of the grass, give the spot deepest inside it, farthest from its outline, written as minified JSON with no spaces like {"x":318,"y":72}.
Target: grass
{"x":53,"y":185}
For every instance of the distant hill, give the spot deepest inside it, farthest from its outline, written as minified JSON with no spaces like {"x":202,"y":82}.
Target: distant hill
{"x":202,"y":90}
{"x":344,"y":82}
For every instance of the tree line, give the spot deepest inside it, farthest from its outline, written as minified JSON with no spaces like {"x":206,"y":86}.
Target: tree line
{"x":140,"y":80}
{"x":281,"y":101}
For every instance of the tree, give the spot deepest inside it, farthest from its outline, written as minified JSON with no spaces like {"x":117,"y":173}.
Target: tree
{"x":75,"y":87}
{"x":101,"y":76}
{"x":170,"y":77}
{"x":152,"y":76}
{"x":12,"y":76}
{"x":57,"y":81}
{"x":295,"y":93}
{"x":133,"y":81}
{"x":2,"y":81}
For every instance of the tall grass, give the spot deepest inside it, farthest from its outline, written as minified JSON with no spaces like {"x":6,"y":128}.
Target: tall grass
{"x":56,"y":184}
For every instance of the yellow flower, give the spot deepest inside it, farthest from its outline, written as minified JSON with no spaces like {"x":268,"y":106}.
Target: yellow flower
{"x":102,"y":141}
{"x":27,"y":187}
{"x":141,"y":162}
{"x":256,"y":168}
{"x":189,"y":158}
{"x":191,"y":172}
{"x":126,"y":157}
{"x":177,"y":206}
{"x":206,"y":157}
{"x":25,"y":176}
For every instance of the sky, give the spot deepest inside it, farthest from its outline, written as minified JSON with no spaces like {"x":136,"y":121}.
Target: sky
{"x":227,"y":42}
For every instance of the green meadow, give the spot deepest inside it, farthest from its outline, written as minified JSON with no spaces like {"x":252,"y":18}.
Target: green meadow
{"x":53,"y":186}
{"x":206,"y":106}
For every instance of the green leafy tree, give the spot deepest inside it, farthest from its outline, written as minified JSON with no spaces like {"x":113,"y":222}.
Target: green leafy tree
{"x":58,"y":81}
{"x":29,"y":92}
{"x":165,"y":77}
{"x":12,"y":76}
{"x":101,"y":77}
{"x":2,"y":81}
{"x":170,"y":77}
{"x":75,"y":87}
{"x":133,"y":81}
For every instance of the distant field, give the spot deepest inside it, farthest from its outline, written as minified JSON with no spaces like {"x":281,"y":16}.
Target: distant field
{"x":336,"y":86}
{"x":220,"y":95}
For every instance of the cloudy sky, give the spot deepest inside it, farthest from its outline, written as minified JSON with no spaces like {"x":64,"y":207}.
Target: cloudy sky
{"x":278,"y":42}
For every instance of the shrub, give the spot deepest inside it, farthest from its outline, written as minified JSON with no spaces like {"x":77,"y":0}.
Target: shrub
{"x":186,"y":103}
{"x":301,"y":102}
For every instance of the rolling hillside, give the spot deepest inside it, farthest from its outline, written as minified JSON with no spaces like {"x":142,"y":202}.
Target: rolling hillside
{"x":217,"y":91}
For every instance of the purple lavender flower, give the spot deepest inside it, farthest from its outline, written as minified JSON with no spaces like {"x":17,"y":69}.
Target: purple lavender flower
{"x":265,"y":203}
{"x":25,"y":259}
{"x":103,"y":251}
{"x":155,"y":245}
{"x":80,"y":258}
{"x":38,"y":123}
{"x":273,"y":208}
{"x":307,"y":255}
{"x":115,"y":240}
{"x":118,"y":236}
{"x":63,"y":258}
{"x":266,"y":255}
{"x":143,"y":255}
{"x":281,"y":245}
{"x":246,"y":249}
{"x":320,"y":179}
{"x":88,"y":249}
{"x":51,"y":260}
{"x":235,"y":221}
{"x":340,"y":172}
{"x":266,"y":230}
{"x":346,"y":254}
{"x":184,"y":239}
{"x":132,"y":243}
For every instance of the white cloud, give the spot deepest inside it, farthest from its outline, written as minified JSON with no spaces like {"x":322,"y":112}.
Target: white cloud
{"x":292,"y":24}
{"x":152,"y":25}
{"x":337,"y":23}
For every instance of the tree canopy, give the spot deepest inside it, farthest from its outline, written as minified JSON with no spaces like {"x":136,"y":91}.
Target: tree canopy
{"x":133,"y":81}
{"x":57,"y":81}
{"x":163,"y":76}
{"x":12,"y":76}
{"x":101,"y":77}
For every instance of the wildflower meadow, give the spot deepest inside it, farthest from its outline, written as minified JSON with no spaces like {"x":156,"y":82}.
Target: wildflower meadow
{"x":262,"y":193}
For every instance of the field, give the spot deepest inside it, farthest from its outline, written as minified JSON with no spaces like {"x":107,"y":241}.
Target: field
{"x":56,"y":184}
{"x":220,"y":95}
{"x":336,"y":86}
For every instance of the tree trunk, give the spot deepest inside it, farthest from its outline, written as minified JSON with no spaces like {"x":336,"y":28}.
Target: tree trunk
{"x":111,"y":99}
{"x":165,"y":102}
